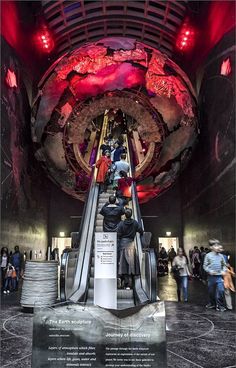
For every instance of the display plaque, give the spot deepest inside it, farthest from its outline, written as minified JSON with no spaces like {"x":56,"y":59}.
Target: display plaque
{"x":105,"y":270}
{"x":78,"y":336}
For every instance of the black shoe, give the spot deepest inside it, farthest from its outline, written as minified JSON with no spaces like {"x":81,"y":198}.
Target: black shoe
{"x":210,"y":306}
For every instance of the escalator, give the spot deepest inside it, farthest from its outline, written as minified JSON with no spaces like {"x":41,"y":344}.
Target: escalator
{"x":77,"y":266}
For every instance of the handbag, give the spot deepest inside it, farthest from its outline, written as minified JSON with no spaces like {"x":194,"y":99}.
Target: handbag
{"x":176,"y":272}
{"x":13,"y":276}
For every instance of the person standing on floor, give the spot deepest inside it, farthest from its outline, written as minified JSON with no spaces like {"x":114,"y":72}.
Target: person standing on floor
{"x":4,"y":262}
{"x":181,"y":274}
{"x":128,"y":265}
{"x":171,"y":255}
{"x":103,"y":165}
{"x":17,"y":262}
{"x":112,"y":213}
{"x":196,"y":262}
{"x":228,"y":282}
{"x":163,"y":256}
{"x":215,"y":266}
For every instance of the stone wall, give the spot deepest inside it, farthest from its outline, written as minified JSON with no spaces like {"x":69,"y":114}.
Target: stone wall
{"x":24,"y":197}
{"x":208,"y":184}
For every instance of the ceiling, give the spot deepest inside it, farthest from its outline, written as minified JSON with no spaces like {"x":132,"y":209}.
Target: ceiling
{"x":74,"y":23}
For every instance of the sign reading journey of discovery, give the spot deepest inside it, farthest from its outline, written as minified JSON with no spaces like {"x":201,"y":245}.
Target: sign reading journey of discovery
{"x":105,"y":270}
{"x":72,"y":335}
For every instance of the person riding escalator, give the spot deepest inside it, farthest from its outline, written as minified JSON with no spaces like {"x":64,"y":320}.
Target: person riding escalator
{"x":128,"y":262}
{"x":112,"y":213}
{"x":103,"y":165}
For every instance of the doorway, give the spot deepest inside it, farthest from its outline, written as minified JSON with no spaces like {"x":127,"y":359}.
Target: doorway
{"x":167,"y":242}
{"x":61,"y":244}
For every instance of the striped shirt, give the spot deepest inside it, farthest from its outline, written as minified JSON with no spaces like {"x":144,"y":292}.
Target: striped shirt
{"x":214,"y":262}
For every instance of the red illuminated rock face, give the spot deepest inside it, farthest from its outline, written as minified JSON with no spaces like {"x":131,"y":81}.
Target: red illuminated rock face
{"x":115,"y":73}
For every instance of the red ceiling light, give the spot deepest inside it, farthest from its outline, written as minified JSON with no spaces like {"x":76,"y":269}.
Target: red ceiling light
{"x":11,"y":79}
{"x":225,"y":67}
{"x":44,"y":40}
{"x":186,"y":38}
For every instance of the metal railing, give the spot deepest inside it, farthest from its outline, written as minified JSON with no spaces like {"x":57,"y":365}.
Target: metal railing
{"x":76,"y":291}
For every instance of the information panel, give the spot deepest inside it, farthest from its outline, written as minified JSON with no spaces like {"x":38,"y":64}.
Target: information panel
{"x":78,"y":336}
{"x":105,"y":270}
{"x":105,"y":255}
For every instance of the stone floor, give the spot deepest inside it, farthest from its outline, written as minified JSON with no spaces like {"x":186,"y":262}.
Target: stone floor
{"x":196,"y":337}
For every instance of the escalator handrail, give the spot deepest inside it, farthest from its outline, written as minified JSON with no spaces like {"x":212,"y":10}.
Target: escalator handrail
{"x":82,"y":267}
{"x":139,"y":244}
{"x":83,"y":240}
{"x":80,"y":291}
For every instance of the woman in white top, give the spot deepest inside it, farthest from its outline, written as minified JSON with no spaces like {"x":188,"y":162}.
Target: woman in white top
{"x":180,"y":264}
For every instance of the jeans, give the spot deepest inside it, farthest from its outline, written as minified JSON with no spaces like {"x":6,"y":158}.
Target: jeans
{"x":216,"y":290}
{"x":182,"y":284}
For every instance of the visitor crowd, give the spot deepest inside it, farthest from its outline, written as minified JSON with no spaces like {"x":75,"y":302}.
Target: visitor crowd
{"x":11,"y":268}
{"x":211,"y":266}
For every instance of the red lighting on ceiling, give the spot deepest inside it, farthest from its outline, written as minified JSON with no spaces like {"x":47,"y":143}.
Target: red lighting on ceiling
{"x":225,"y":67}
{"x":11,"y":78}
{"x":186,"y":38}
{"x":44,"y":40}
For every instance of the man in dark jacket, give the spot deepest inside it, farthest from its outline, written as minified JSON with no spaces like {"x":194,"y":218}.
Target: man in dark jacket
{"x":112,"y":213}
{"x":127,"y":254}
{"x":17,"y":261}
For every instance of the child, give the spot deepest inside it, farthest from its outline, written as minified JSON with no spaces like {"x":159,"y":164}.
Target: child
{"x":10,"y":279}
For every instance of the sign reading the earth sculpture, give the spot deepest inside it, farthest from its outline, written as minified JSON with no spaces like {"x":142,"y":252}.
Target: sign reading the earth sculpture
{"x":78,"y":336}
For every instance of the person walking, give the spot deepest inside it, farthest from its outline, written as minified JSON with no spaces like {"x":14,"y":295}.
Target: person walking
{"x":181,"y":274}
{"x":171,"y":255}
{"x":17,"y":262}
{"x":112,"y":213}
{"x":196,"y":262}
{"x":4,"y":262}
{"x":228,"y":282}
{"x":128,"y":265}
{"x":203,"y":274}
{"x":103,"y":166}
{"x":215,"y":266}
{"x":163,"y":256}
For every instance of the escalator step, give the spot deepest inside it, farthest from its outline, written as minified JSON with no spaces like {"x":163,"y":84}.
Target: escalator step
{"x":101,"y":203}
{"x":99,"y":222}
{"x":72,"y":262}
{"x":105,"y":195}
{"x":92,"y":271}
{"x":99,"y":229}
{"x":71,"y":271}
{"x":121,"y":294}
{"x":91,"y":283}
